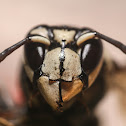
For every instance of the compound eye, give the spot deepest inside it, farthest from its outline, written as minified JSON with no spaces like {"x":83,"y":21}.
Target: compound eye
{"x":91,"y":54}
{"x":34,"y":54}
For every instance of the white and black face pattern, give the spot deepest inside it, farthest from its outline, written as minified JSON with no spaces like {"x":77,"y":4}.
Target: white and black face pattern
{"x":63,"y":61}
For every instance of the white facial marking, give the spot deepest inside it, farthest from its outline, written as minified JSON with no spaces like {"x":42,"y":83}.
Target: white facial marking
{"x":60,"y":35}
{"x":71,"y":65}
{"x":79,"y":51}
{"x":40,"y":39}
{"x":85,"y":37}
{"x":51,"y":64}
{"x":49,"y":91}
{"x":40,"y":31}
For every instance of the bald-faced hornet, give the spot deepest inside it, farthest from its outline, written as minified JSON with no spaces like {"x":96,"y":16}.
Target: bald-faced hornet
{"x":61,"y":63}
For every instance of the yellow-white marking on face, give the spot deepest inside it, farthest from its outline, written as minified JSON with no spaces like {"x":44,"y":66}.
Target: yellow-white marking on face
{"x":71,"y":65}
{"x":85,"y":37}
{"x":40,"y":31}
{"x":49,"y":91}
{"x":64,"y":34}
{"x":40,"y":39}
{"x":51,"y":64}
{"x":79,"y":51}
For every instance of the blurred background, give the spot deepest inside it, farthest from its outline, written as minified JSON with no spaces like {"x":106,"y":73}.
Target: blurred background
{"x":18,"y":17}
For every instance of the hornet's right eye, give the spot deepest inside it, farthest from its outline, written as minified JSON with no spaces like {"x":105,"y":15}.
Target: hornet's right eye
{"x":34,"y":54}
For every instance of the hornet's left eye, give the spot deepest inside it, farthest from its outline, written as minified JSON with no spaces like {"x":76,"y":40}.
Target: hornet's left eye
{"x":34,"y":54}
{"x":91,"y":54}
